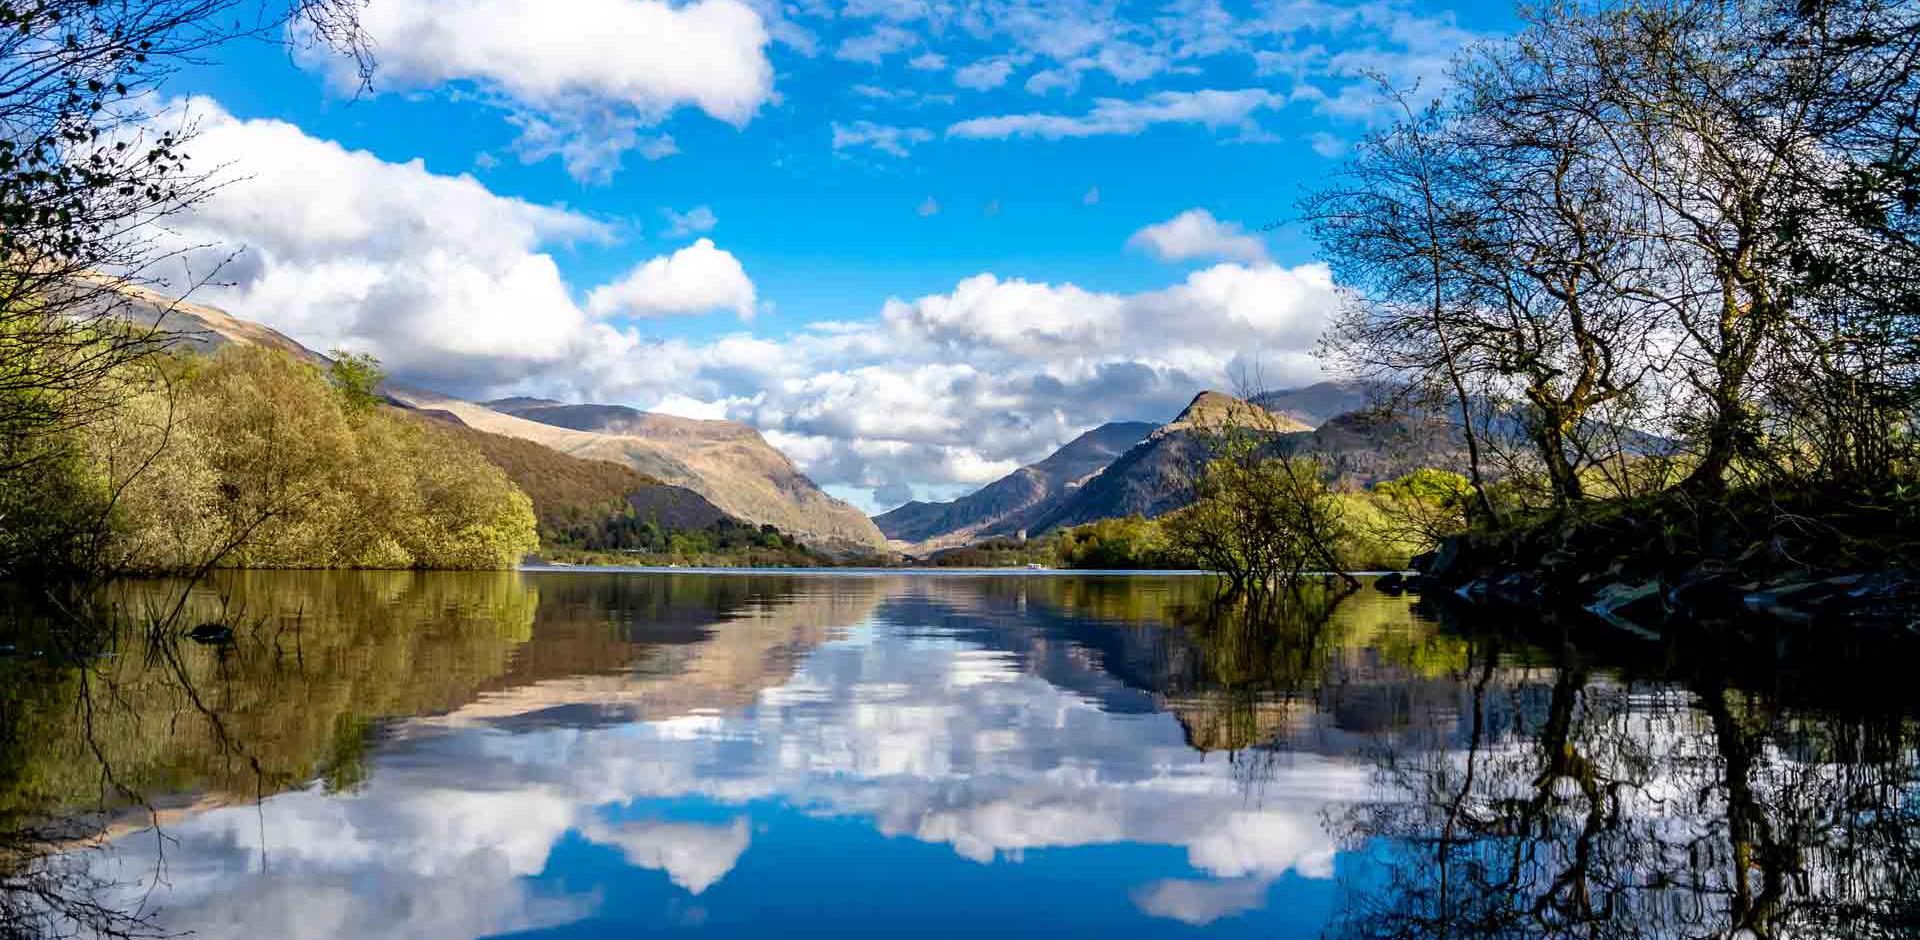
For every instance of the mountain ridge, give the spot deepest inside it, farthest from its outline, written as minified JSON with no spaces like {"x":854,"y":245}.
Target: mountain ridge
{"x":1360,"y":447}
{"x":726,"y":463}
{"x":1007,"y":505}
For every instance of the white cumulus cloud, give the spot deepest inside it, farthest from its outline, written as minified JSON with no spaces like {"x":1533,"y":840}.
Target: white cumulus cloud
{"x":339,"y":247}
{"x":575,"y":74}
{"x":696,"y":279}
{"x":1195,"y":233}
{"x":457,"y":289}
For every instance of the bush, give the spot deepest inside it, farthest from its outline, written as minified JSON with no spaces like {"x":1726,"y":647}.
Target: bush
{"x":1131,"y":542}
{"x":256,"y":459}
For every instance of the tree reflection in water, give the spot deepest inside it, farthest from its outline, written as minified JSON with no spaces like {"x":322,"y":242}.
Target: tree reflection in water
{"x":1581,"y":805}
{"x":112,"y":723}
{"x":1525,"y":782}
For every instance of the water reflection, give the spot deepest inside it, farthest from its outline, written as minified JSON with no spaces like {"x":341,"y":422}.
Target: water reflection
{"x":1583,"y":805}
{"x":575,"y":754}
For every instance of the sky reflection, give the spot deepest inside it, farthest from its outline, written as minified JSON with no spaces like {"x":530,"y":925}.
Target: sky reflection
{"x":958,"y":757}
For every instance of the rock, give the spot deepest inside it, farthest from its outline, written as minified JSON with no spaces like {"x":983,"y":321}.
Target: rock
{"x":211,"y":633}
{"x":1557,"y":559}
{"x":1474,"y":590}
{"x":1708,"y":588}
{"x":1411,"y":583}
{"x":1889,"y":585}
{"x":1518,"y":588}
{"x":1800,"y":601}
{"x":1421,"y":562}
{"x":1446,"y":557}
{"x":1780,"y":594}
{"x":1390,"y":583}
{"x":1617,"y":600}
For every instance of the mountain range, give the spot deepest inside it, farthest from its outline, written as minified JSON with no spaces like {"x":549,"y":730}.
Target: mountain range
{"x":1016,"y":501}
{"x":725,"y":463}
{"x":703,"y":470}
{"x":1334,"y":421}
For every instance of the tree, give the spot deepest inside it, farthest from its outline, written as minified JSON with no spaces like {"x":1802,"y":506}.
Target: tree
{"x":356,"y":377}
{"x":1707,"y":206}
{"x":85,"y":176}
{"x":1387,"y":226}
{"x":1260,"y":518}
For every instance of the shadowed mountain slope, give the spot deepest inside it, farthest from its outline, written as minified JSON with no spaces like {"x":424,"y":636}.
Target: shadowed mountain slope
{"x":1011,"y":503}
{"x":1316,"y":404}
{"x":1155,"y":476}
{"x":1360,"y":448}
{"x":569,"y":492}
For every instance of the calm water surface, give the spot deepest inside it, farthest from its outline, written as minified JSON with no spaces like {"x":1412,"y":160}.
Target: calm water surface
{"x":577,"y":754}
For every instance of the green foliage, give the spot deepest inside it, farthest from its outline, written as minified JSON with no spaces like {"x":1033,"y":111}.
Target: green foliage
{"x":1002,"y":553}
{"x":1259,"y":520}
{"x":356,"y":378}
{"x":1376,"y":530}
{"x":1403,"y":517}
{"x":1428,"y":486}
{"x":1131,"y":542}
{"x":48,"y":507}
{"x":256,"y":459}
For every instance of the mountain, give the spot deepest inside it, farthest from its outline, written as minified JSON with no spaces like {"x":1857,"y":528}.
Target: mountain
{"x":571,"y":492}
{"x":1316,"y":404}
{"x":1368,"y":445}
{"x":200,"y":328}
{"x":1155,"y":476}
{"x":1011,"y":503}
{"x":1360,"y":447}
{"x":726,"y":463}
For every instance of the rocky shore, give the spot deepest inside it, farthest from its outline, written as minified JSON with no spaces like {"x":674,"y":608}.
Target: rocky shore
{"x":1640,"y":571}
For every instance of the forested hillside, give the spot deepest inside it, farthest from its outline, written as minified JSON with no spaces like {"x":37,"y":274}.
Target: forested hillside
{"x":252,"y":457}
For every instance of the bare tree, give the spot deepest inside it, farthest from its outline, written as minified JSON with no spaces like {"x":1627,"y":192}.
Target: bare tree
{"x":1707,"y":207}
{"x":1388,"y":226}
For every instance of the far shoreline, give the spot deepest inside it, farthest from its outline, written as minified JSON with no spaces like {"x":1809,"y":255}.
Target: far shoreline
{"x":934,"y":571}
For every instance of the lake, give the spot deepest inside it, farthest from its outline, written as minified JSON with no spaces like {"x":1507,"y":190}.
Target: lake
{"x":590,"y":754}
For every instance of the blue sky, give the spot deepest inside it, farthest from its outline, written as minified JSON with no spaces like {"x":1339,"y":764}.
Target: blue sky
{"x":915,"y":243}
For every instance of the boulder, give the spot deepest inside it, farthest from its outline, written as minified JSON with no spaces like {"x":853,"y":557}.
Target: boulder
{"x":1617,"y":601}
{"x":1475,"y":590}
{"x":1444,"y":558}
{"x":1793,"y":601}
{"x":1518,"y":588}
{"x":1392,"y":582}
{"x":1707,"y":588}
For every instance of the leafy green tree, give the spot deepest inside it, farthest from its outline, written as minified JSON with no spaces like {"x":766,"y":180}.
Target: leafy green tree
{"x":254,"y":458}
{"x":356,"y":377}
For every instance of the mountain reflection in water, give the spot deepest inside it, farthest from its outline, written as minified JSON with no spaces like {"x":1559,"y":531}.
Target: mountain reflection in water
{"x":577,"y":754}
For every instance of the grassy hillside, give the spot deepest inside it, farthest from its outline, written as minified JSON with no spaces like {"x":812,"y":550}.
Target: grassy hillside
{"x":567,"y":492}
{"x":597,"y":510}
